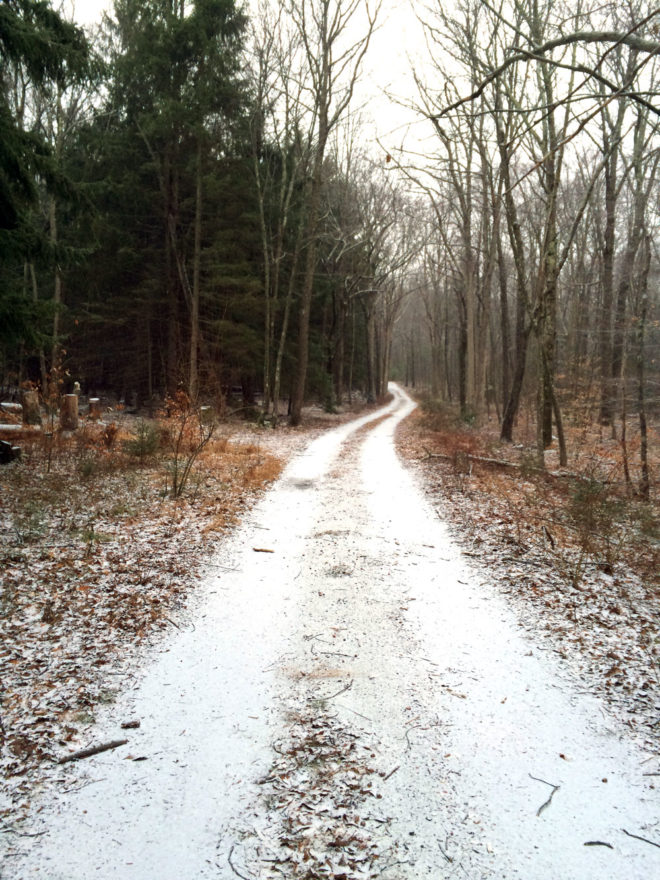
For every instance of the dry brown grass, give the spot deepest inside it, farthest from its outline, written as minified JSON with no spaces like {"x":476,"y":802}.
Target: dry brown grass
{"x":578,"y":552}
{"x":95,"y":556}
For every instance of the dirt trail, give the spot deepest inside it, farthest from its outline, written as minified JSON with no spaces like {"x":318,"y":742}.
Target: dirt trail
{"x":357,"y":703}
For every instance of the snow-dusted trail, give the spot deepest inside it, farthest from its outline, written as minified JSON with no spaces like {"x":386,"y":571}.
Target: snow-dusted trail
{"x":356,"y":703}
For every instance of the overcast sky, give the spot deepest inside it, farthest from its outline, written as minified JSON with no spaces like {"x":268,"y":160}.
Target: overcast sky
{"x":386,"y":69}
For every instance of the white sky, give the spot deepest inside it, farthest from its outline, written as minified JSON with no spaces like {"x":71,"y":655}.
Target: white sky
{"x":386,"y":69}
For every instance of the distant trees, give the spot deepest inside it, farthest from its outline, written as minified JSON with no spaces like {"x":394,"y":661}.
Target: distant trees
{"x":544,"y":190}
{"x":193,"y":191}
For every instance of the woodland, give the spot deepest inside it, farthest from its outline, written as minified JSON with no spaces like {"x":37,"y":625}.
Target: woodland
{"x":188,"y":204}
{"x":195,"y":220}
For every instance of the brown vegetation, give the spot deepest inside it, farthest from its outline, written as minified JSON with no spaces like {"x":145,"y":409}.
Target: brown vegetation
{"x":97,"y":553}
{"x":578,"y":551}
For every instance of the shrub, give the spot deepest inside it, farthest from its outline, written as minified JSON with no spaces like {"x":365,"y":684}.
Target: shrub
{"x":145,"y":441}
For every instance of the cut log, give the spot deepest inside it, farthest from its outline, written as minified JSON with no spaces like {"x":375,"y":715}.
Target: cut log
{"x":95,"y":411}
{"x":69,"y":412}
{"x":31,"y":409}
{"x":21,"y":430}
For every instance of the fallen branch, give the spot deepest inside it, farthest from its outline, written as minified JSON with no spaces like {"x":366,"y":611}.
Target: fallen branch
{"x":555,"y":789}
{"x":262,"y":550}
{"x":597,"y":843}
{"x":338,"y":694}
{"x":445,"y":853}
{"x":93,"y":750}
{"x":637,"y":837}
{"x":391,"y":773}
{"x":233,"y":866}
{"x":7,"y":830}
{"x":512,"y":465}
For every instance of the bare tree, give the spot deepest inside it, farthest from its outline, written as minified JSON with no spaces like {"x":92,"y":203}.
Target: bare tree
{"x":333,"y":59}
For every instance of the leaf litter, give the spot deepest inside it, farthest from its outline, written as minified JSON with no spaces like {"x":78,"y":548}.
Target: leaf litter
{"x":94,"y":565}
{"x":583,"y":573}
{"x":321,"y":788}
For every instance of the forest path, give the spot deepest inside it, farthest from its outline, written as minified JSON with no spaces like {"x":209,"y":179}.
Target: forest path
{"x":356,"y":703}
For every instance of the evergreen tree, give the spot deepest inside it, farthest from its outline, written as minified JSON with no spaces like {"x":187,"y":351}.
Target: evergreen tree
{"x":39,"y":51}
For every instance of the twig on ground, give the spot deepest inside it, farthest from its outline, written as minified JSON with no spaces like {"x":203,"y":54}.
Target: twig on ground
{"x":445,"y":853}
{"x":637,"y":837}
{"x":7,"y":830}
{"x":555,"y":789}
{"x":597,"y":843}
{"x":84,"y":785}
{"x":93,"y":750}
{"x":339,"y":693}
{"x":359,"y":714}
{"x":233,"y":866}
{"x":391,"y":773}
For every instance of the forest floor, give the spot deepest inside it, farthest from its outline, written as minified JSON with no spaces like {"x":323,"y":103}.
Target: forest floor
{"x":347,"y":695}
{"x":576,"y":554}
{"x":97,"y":557}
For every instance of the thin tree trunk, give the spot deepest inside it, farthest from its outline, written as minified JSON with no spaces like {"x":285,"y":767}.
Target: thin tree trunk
{"x":193,"y":382}
{"x":277,"y":377}
{"x":644,"y":483}
{"x":57,"y":288}
{"x":42,"y":355}
{"x":298,"y":397}
{"x":505,"y":329}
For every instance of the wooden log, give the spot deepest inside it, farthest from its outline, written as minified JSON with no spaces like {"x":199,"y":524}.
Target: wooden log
{"x":31,"y":409}
{"x":93,"y":750}
{"x":69,"y":412}
{"x":95,"y":411}
{"x":15,"y":408}
{"x":21,"y":430}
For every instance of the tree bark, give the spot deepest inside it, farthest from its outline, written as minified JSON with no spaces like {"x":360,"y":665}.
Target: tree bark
{"x":193,"y":380}
{"x":644,"y":483}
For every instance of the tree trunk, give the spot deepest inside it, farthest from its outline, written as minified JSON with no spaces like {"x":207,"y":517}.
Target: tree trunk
{"x":505,"y":330}
{"x":57,"y":288}
{"x":193,"y":381}
{"x":644,"y":483}
{"x":298,"y":397}
{"x":607,"y":286}
{"x":370,"y":321}
{"x":284,"y":330}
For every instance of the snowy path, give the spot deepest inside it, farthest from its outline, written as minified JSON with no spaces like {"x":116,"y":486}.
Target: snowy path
{"x":356,"y":703}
